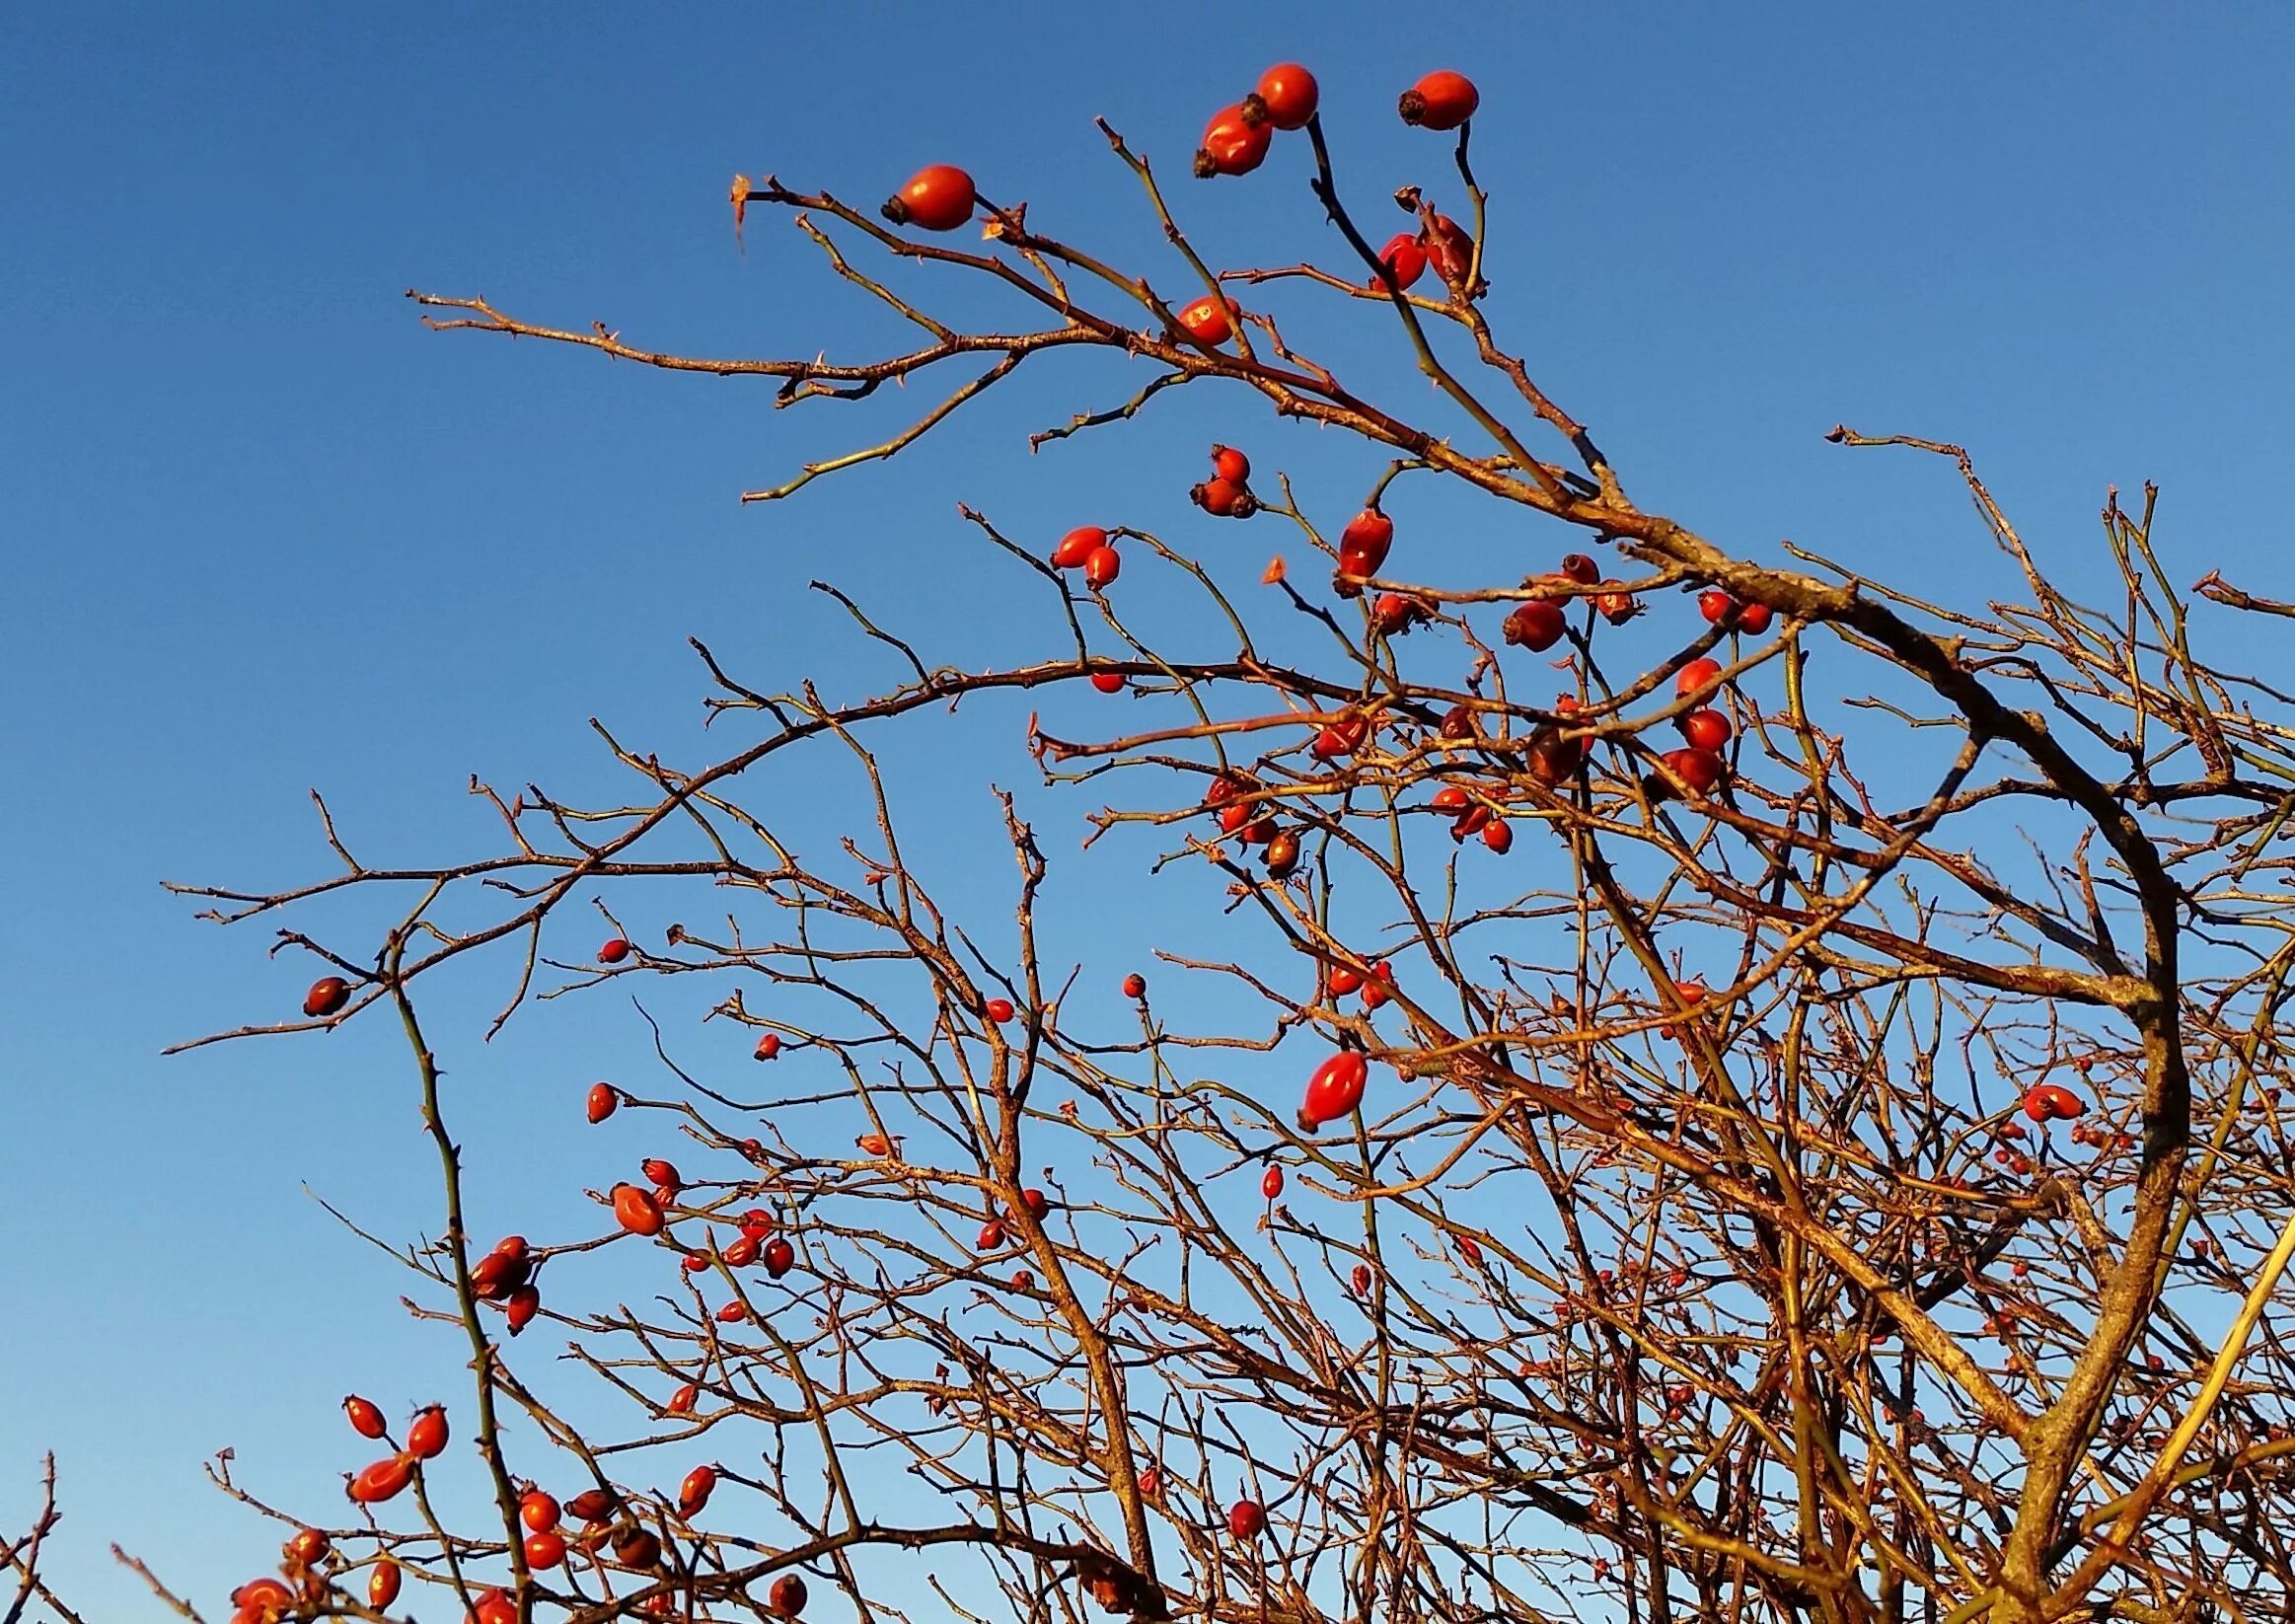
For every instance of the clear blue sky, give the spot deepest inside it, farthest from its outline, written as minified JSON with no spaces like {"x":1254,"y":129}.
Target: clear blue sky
{"x":263,"y":533}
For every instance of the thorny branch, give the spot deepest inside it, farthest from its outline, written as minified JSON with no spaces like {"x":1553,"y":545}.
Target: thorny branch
{"x":1821,"y":1153}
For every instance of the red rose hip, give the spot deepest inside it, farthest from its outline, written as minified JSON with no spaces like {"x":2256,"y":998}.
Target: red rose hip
{"x":1232,"y":144}
{"x":1443,"y":99}
{"x":1334,"y":1090}
{"x":1077,"y":545}
{"x":1285,"y":97}
{"x":365,"y":1420}
{"x":938,"y":198}
{"x":1537,"y":625}
{"x":427,"y":1438}
{"x":1206,"y":322}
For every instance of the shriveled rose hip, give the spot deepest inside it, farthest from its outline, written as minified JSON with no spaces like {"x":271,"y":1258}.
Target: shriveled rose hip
{"x":1449,"y":248}
{"x":1394,"y":615}
{"x":1223,"y":498}
{"x":592,"y":1505}
{"x":1537,"y":625}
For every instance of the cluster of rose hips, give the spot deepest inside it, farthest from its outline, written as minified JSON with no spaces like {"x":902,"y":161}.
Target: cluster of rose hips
{"x":1236,"y":140}
{"x":1377,"y":987}
{"x":1239,"y":817}
{"x":261,"y":1601}
{"x":267,"y":1600}
{"x":1227,"y":494}
{"x":388,"y":1477}
{"x":1471,"y":816}
{"x":941,"y":197}
{"x":1335,"y":1087}
{"x":2052,"y":1102}
{"x":1440,"y":242}
{"x":505,"y":1276}
{"x":2043,"y":1103}
{"x":1088,"y":548}
{"x":646,"y":1209}
{"x":992,"y":1235}
{"x":1699,"y":766}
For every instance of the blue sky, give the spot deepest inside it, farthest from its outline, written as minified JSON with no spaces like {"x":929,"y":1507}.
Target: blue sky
{"x":265,"y":534}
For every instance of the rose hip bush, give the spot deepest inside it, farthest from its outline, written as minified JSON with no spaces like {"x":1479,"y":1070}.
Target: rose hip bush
{"x":1763,"y":1101}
